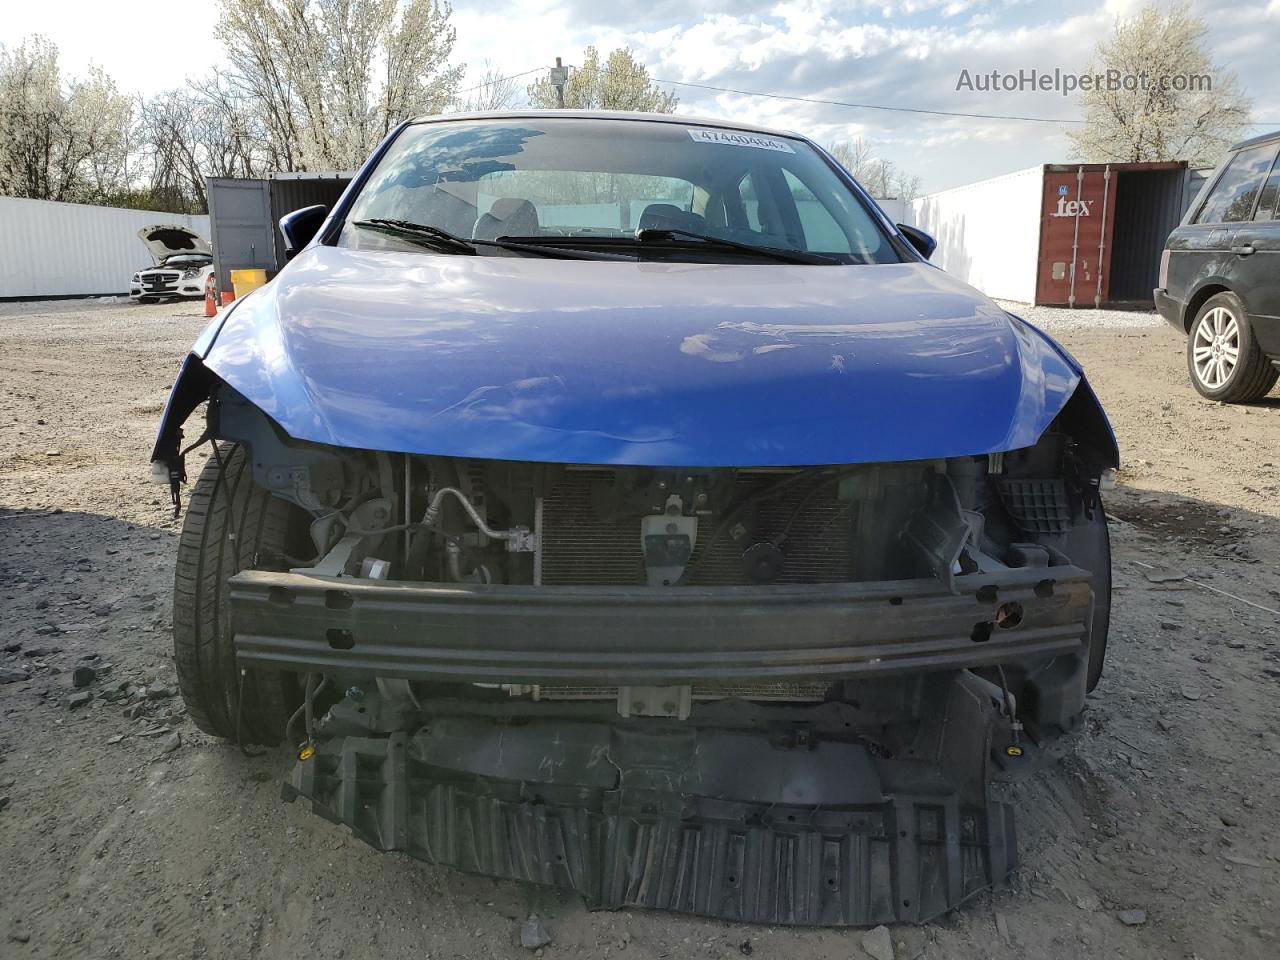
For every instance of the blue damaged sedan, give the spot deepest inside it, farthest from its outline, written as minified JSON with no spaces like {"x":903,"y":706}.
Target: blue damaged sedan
{"x":622,"y":503}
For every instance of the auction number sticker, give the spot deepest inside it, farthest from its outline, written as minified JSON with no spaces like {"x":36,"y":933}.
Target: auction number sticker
{"x":735,"y":139}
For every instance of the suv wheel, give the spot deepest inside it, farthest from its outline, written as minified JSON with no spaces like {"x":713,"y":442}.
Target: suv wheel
{"x":1223,"y":358}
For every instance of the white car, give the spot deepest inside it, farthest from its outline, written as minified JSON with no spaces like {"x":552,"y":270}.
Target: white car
{"x":184,"y":264}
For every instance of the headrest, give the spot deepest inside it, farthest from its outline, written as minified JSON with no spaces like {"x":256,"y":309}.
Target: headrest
{"x":508,"y":217}
{"x":667,"y":216}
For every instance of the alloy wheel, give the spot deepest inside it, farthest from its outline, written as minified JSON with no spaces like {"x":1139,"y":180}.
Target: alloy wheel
{"x":1216,"y":347}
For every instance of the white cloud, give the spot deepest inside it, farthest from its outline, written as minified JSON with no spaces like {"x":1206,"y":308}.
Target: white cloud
{"x":890,"y":52}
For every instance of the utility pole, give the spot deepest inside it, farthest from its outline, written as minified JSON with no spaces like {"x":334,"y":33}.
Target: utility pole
{"x":559,"y":76}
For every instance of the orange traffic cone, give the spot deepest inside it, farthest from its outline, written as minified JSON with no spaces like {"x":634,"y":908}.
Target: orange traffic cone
{"x":210,"y":305}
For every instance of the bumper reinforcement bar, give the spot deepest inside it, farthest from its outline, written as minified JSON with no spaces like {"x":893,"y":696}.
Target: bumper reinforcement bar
{"x":641,"y":635}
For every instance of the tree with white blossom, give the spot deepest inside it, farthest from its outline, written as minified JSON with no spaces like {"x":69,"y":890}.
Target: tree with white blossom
{"x":328,"y":79}
{"x":1161,"y":107}
{"x":60,"y":138}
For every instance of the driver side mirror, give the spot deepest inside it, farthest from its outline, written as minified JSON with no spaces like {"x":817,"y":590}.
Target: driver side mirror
{"x":924,"y":243}
{"x":299,"y":227}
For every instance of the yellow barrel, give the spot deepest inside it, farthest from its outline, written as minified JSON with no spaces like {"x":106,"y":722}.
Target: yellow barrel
{"x":246,"y":281}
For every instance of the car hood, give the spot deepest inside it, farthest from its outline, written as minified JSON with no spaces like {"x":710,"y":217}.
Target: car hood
{"x":165,"y":239}
{"x":662,"y":364}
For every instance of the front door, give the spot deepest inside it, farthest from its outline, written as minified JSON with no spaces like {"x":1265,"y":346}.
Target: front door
{"x":1254,"y":270}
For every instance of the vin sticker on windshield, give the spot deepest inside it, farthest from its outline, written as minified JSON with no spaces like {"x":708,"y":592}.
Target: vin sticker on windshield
{"x":735,"y":139}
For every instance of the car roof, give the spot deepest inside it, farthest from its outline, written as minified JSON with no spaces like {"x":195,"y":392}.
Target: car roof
{"x":677,"y":118}
{"x":1255,"y":141}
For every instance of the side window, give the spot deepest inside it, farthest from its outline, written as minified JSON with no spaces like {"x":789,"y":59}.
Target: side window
{"x":821,"y":232}
{"x":1233,"y":195}
{"x":1267,"y":209}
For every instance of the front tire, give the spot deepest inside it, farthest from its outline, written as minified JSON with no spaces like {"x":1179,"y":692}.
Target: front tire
{"x":1093,"y":545}
{"x":224,"y":501}
{"x":1223,"y":358}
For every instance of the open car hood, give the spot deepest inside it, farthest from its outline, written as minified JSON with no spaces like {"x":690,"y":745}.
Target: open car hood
{"x":664,"y":364}
{"x":165,"y":239}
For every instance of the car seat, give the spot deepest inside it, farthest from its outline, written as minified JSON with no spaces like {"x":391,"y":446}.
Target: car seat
{"x":508,"y":217}
{"x":667,"y":216}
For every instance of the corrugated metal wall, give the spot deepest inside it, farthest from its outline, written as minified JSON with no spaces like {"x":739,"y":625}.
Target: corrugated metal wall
{"x":1149,"y":204}
{"x":1197,"y":179}
{"x":988,"y":232}
{"x":50,"y":249}
{"x":246,"y":213}
{"x":291,"y":192}
{"x":899,"y":211}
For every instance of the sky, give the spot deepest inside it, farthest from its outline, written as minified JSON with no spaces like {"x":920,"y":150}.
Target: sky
{"x":902,"y":53}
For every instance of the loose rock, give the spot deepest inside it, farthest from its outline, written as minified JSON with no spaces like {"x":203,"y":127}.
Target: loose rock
{"x":533,"y":935}
{"x":1241,"y":861}
{"x":78,"y":699}
{"x":877,"y":943}
{"x":1132,"y":918}
{"x":82,"y":676}
{"x":1002,"y":928}
{"x":13,"y":675}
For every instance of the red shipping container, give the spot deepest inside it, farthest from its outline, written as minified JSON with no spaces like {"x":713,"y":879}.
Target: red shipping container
{"x":1084,"y":242}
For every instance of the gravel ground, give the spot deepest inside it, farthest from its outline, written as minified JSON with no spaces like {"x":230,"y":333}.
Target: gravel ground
{"x":124,"y":832}
{"x":1057,"y":320}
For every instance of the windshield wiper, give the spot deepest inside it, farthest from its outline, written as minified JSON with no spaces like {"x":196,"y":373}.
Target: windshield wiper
{"x":660,"y":234}
{"x":777,"y":253}
{"x":419,"y":232}
{"x":440,"y":239}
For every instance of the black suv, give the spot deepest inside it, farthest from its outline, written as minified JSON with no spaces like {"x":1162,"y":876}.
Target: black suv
{"x":1220,"y":276}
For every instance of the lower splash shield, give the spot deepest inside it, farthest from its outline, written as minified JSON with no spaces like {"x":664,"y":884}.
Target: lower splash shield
{"x":786,"y":823}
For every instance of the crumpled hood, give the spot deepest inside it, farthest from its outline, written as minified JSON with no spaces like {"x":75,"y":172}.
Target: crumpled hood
{"x":616,"y":362}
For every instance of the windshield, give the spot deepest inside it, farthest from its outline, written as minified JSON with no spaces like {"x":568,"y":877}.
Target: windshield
{"x":599,"y":181}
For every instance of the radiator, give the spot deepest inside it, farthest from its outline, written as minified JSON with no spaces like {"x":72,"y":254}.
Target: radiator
{"x":579,"y":549}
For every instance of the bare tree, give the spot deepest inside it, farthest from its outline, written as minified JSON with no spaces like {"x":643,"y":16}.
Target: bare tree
{"x":60,"y":139}
{"x":881,"y":178}
{"x":620,"y":83}
{"x":233,"y":142}
{"x":327,"y":79}
{"x":1169,"y":102}
{"x":168,"y":147}
{"x":854,"y":155}
{"x":194,"y":132}
{"x":493,"y":92}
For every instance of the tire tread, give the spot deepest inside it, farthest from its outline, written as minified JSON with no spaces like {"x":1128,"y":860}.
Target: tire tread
{"x":224,"y":501}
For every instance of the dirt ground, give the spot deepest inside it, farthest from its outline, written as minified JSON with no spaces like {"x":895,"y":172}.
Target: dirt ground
{"x":140,"y":837}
